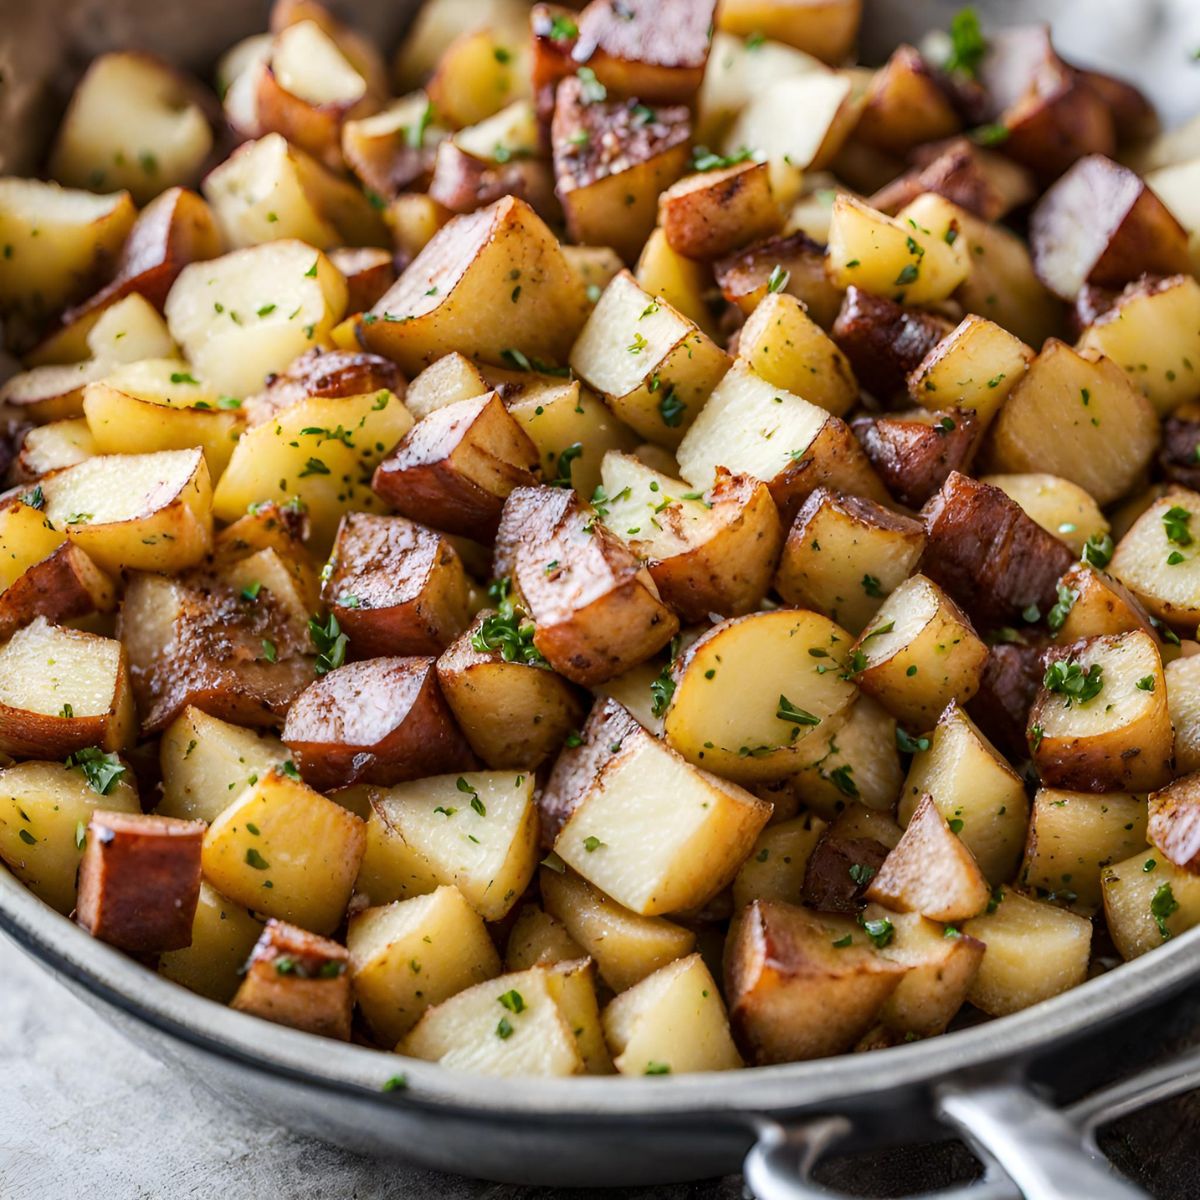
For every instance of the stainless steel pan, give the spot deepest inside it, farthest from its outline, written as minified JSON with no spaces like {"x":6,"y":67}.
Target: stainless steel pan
{"x":977,"y":1084}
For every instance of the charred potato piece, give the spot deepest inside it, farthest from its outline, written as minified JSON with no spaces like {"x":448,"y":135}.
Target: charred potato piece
{"x":395,"y":587}
{"x":1157,"y":561}
{"x":800,"y":985}
{"x":464,"y":182}
{"x":139,"y":881}
{"x":380,"y":721}
{"x":838,"y":870}
{"x":1060,"y":507}
{"x":63,"y":586}
{"x":1011,"y":678}
{"x":915,"y":452}
{"x":905,"y":106}
{"x":712,"y":213}
{"x":1101,"y":224}
{"x":297,"y":979}
{"x":745,"y":278}
{"x":1100,"y":722}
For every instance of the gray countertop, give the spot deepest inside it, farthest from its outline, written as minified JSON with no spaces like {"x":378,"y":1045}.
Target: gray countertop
{"x":85,"y":1112}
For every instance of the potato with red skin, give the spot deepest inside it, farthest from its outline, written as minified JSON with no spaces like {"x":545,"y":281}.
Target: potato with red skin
{"x":139,"y":881}
{"x":995,"y":561}
{"x":744,"y":276}
{"x":905,"y":106}
{"x":64,"y":585}
{"x":1174,"y":826}
{"x":455,"y":468}
{"x":463,"y":182}
{"x":829,"y":885}
{"x":382,"y":721}
{"x":1011,"y":678}
{"x":395,"y":587}
{"x":325,"y":373}
{"x":710,"y":214}
{"x":368,"y":270}
{"x":1101,"y":224}
{"x":885,"y":342}
{"x":298,"y":979}
{"x":915,"y":452}
{"x":596,"y":607}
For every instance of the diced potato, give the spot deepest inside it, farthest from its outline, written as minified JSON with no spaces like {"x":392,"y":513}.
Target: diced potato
{"x":413,"y":954}
{"x":477,"y":831}
{"x":64,"y":586}
{"x":249,"y":313}
{"x":1157,"y":559}
{"x":45,"y":808}
{"x":63,"y":691}
{"x":392,"y":149}
{"x":753,"y":428}
{"x":207,"y":764}
{"x":321,"y":450}
{"x":1059,"y":506}
{"x":844,"y":555}
{"x":1079,"y":418}
{"x":711,"y":213}
{"x":451,"y":378}
{"x":1073,"y":836}
{"x":787,"y":348}
{"x":1091,"y":603}
{"x":135,"y":511}
{"x":626,"y":946}
{"x":26,"y":538}
{"x":223,"y":935}
{"x":391,"y":869}
{"x":893,"y":256}
{"x":284,"y":850}
{"x":974,"y":367}
{"x":437,"y":305}
{"x":794,"y":260}
{"x":1100,"y":722}
{"x":660,"y":271}
{"x":1147,"y":901}
{"x":51,"y":447}
{"x":905,"y":105}
{"x":918,"y":653}
{"x":56,"y":243}
{"x":482,"y":71}
{"x":776,"y":866}
{"x":537,"y":938}
{"x":133,"y":123}
{"x":512,"y":1025}
{"x":974,"y":789}
{"x":1183,"y":701}
{"x":827,"y":29}
{"x":1034,"y":951}
{"x":671,"y":1023}
{"x":653,"y":366}
{"x":656,"y":834}
{"x":787,"y":669}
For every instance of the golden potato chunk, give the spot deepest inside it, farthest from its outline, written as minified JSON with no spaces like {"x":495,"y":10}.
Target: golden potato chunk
{"x":1157,"y":559}
{"x":711,"y":213}
{"x":1147,"y":901}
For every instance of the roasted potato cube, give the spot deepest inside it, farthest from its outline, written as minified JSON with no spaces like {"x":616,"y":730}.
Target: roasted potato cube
{"x":1034,"y":951}
{"x":200,"y":643}
{"x":63,"y":586}
{"x":709,"y":553}
{"x":58,"y":244}
{"x":655,"y":859}
{"x":892,"y":256}
{"x":753,"y":428}
{"x":795,"y":264}
{"x":992,"y":558}
{"x":408,"y":956}
{"x":1147,"y":901}
{"x":681,"y":282}
{"x":826,"y":29}
{"x":206,"y":764}
{"x":905,"y":106}
{"x":1091,"y":603}
{"x":841,"y":864}
{"x":915,"y":452}
{"x":298,"y":979}
{"x":844,"y":555}
{"x":1060,"y":507}
{"x":1156,"y":561}
{"x":980,"y":796}
{"x":787,"y":348}
{"x":463,"y":182}
{"x":395,"y":587}
{"x":709,"y":214}
{"x":391,"y":869}
{"x":282,"y":833}
{"x":1072,"y":837}
{"x":223,"y":936}
{"x":268,"y":190}
{"x":919,"y":653}
{"x":380,"y":721}
{"x":802,"y":985}
{"x":538,"y":939}
{"x":512,"y":1025}
{"x":1101,"y":224}
{"x":787,"y":668}
{"x":46,"y":448}
{"x":1078,"y":417}
{"x":596,"y":609}
{"x":1100,"y":722}
{"x":627,"y":947}
{"x":394,"y":149}
{"x":494,"y":667}
{"x":884,"y":342}
{"x":435,"y":306}
{"x":1183,"y":701}
{"x":452,"y":378}
{"x":63,"y":691}
{"x":26,"y":537}
{"x":455,"y":468}
{"x":325,"y":374}
{"x":776,"y":867}
{"x":653,"y":366}
{"x":1173,"y":829}
{"x":930,"y":871}
{"x":139,"y":881}
{"x":45,"y":808}
{"x":477,"y":831}
{"x":482,"y":71}
{"x":293,"y":297}
{"x":670,"y":1023}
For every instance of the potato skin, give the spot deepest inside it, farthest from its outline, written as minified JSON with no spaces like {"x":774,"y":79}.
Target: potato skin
{"x":1181,"y":445}
{"x":1174,"y":825}
{"x":328,"y":373}
{"x":369,"y":272}
{"x":139,"y":881}
{"x":828,"y":884}
{"x":1011,"y":677}
{"x":743,"y":276}
{"x":711,"y":214}
{"x":382,"y":721}
{"x":65,"y":585}
{"x":913,"y":454}
{"x":992,"y":558}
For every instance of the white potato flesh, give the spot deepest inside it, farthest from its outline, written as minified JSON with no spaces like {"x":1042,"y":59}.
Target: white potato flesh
{"x":477,"y":831}
{"x":513,"y":132}
{"x":1183,"y":700}
{"x":248,"y":314}
{"x":1059,"y":506}
{"x":1145,"y":907}
{"x":308,"y":63}
{"x":1162,"y":570}
{"x":42,"y":665}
